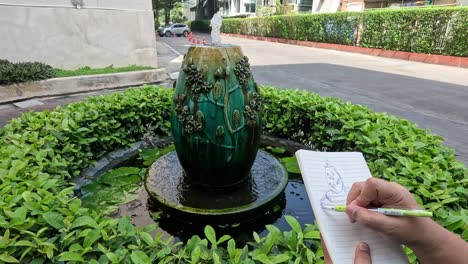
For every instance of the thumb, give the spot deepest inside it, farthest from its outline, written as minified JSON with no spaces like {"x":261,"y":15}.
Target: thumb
{"x":362,"y":254}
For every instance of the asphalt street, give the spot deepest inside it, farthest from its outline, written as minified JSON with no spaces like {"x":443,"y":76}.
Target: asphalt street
{"x":434,"y":97}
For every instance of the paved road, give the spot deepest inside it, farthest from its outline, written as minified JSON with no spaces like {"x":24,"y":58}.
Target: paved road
{"x":434,"y":97}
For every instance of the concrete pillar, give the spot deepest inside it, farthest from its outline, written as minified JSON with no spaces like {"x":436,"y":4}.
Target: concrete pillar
{"x":101,"y":33}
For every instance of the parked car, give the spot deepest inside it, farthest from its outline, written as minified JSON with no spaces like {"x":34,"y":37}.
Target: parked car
{"x":178,"y":29}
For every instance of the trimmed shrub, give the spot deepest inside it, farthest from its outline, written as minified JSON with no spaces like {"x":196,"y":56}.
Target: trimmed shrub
{"x":340,"y":28}
{"x":425,"y":30}
{"x":41,"y":221}
{"x":200,"y":26}
{"x":428,"y":30}
{"x":24,"y":72}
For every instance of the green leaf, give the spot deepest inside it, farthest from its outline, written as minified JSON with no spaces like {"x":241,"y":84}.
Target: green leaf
{"x":70,"y":256}
{"x":292,"y":221}
{"x":223,"y":238}
{"x":121,"y":176}
{"x":196,"y":253}
{"x":19,"y":216}
{"x":91,"y":237}
{"x":147,"y":238}
{"x":210,"y":234}
{"x":151,"y":155}
{"x":54,"y":219}
{"x":216,"y":258}
{"x":280,"y":258}
{"x":291,"y":164}
{"x":262,"y":258}
{"x":84,"y":221}
{"x":112,"y":257}
{"x":8,"y":259}
{"x":450,"y":200}
{"x":312,"y":235}
{"x":25,"y":243}
{"x":140,"y":257}
{"x":74,"y":205}
{"x":125,"y":226}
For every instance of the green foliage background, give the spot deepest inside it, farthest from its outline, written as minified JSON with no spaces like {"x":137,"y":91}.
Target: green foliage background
{"x":424,"y":30}
{"x":11,"y":73}
{"x":23,"y":72}
{"x":41,"y":221}
{"x":200,"y":26}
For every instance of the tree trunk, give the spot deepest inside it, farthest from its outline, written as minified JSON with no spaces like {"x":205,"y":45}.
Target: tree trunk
{"x":167,"y":15}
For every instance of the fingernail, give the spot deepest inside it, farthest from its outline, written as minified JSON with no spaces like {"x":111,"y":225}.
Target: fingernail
{"x":363,"y":247}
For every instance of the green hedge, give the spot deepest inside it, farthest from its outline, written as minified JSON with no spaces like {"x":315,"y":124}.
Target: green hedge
{"x":200,"y":26}
{"x":23,"y":72}
{"x":41,"y":221}
{"x":423,"y":30}
{"x":430,"y":30}
{"x":333,"y":28}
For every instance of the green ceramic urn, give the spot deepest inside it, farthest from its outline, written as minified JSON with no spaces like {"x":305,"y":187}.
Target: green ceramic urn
{"x":216,"y":116}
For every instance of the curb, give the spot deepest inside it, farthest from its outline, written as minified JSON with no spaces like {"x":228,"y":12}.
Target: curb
{"x":77,"y":84}
{"x":454,"y":61}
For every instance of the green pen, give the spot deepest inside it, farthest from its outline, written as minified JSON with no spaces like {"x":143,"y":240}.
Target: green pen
{"x":391,"y":211}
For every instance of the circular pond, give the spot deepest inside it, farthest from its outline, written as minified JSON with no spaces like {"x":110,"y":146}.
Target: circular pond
{"x":136,"y":203}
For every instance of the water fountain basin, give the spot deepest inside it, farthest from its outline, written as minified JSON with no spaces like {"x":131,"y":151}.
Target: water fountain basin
{"x":175,"y":194}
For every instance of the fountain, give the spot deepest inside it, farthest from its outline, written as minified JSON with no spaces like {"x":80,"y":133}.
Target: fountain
{"x":216,"y":174}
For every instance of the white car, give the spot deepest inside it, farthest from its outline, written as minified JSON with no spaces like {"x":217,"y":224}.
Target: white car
{"x":178,"y":29}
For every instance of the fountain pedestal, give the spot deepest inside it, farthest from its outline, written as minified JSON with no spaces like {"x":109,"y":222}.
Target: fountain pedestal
{"x":216,"y":126}
{"x":171,"y":191}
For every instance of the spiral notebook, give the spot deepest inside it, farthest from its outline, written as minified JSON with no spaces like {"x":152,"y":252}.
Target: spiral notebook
{"x":328,"y":176}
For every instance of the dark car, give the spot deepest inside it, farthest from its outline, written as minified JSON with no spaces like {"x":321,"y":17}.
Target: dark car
{"x":178,"y":29}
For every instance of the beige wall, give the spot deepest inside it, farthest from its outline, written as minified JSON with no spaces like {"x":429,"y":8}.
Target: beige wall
{"x":103,"y":32}
{"x":325,"y":6}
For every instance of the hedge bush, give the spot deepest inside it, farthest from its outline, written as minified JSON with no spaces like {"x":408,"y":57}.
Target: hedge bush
{"x":430,"y":30}
{"x":41,"y":221}
{"x":338,"y":28}
{"x":200,"y":26}
{"x":23,"y":72}
{"x":424,"y":30}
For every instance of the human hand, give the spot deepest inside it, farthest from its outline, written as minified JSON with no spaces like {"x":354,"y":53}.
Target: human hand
{"x":379,"y":193}
{"x":431,"y":242}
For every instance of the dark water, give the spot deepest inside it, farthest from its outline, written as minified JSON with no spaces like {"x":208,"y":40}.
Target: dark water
{"x":293,"y":201}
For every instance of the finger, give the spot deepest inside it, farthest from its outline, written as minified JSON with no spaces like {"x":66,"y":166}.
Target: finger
{"x":362,"y":254}
{"x":373,"y":190}
{"x":354,"y":192}
{"x":326,"y":255}
{"x":373,"y":220}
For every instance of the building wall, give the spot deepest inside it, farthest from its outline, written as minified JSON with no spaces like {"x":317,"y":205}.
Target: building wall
{"x":102,"y":33}
{"x":325,"y":6}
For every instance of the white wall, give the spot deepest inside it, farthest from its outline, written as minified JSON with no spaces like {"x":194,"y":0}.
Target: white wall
{"x":325,"y":6}
{"x":103,"y":32}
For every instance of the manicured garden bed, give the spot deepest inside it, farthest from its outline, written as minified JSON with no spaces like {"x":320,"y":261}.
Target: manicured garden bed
{"x":92,"y":71}
{"x":41,"y":221}
{"x":13,"y":73}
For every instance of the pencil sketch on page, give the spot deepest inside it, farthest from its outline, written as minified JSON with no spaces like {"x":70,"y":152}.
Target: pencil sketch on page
{"x":337,"y":191}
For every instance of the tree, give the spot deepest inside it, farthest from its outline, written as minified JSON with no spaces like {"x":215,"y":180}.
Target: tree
{"x":166,"y":6}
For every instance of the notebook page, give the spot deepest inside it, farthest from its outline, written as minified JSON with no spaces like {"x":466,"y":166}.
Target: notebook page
{"x":328,"y":176}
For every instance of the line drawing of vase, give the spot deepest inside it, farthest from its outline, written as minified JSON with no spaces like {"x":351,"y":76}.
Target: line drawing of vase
{"x":337,"y":191}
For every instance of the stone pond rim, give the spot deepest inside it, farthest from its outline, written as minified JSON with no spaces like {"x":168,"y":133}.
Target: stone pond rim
{"x":170,"y":191}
